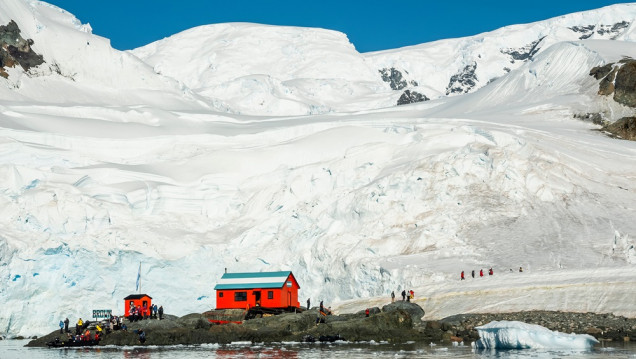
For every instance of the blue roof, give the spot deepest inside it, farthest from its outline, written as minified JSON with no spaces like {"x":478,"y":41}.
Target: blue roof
{"x":253,"y":280}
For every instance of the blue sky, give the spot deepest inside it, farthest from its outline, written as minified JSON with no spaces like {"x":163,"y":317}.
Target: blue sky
{"x":371,"y":25}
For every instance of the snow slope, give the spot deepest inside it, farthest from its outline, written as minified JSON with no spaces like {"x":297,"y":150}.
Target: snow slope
{"x":272,"y":70}
{"x":488,"y":56}
{"x":262,"y":69}
{"x":100,"y":174}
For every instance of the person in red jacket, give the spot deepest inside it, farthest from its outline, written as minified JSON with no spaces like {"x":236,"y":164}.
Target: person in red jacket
{"x":481,"y":272}
{"x":463,"y":275}
{"x":490,"y":272}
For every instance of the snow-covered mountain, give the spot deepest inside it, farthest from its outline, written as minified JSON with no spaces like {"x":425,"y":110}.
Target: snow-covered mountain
{"x":274,"y":70}
{"x":171,"y":155}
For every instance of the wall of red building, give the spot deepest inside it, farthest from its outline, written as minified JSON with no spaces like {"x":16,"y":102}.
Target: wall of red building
{"x":282,"y":297}
{"x":137,"y":302}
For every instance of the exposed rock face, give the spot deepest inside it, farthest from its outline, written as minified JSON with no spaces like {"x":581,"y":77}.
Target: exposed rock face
{"x":394,"y":78}
{"x":523,"y":53}
{"x":600,"y":72}
{"x":624,"y":128}
{"x":606,"y":86}
{"x":411,"y":97}
{"x":464,"y":81}
{"x":625,"y":84}
{"x":14,"y":50}
{"x":608,"y":31}
{"x":619,"y":79}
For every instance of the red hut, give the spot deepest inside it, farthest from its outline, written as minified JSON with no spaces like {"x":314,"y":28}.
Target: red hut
{"x":141,"y":300}
{"x":264,"y":289}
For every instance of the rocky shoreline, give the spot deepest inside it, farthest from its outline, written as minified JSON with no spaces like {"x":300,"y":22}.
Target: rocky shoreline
{"x":395,"y":323}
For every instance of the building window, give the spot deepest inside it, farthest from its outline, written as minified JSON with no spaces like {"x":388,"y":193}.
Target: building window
{"x":270,"y":294}
{"x":240,"y":296}
{"x":220,"y":294}
{"x":289,"y":284}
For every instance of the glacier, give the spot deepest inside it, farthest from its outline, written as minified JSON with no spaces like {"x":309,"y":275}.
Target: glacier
{"x":519,"y":335}
{"x":110,"y":159}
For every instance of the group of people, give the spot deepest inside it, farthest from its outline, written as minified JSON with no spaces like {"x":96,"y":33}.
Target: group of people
{"x":481,"y":273}
{"x":406,"y":295}
{"x":146,"y":312}
{"x":83,"y":333}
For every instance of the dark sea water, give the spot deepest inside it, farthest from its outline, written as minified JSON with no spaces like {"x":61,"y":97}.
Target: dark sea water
{"x":14,"y":349}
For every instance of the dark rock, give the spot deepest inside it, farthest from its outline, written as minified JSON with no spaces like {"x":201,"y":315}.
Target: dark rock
{"x":374,"y":310}
{"x":15,"y":50}
{"x":394,"y":78}
{"x":601,"y":71}
{"x":624,"y":128}
{"x":397,"y":322}
{"x":587,"y":30}
{"x":606,"y":86}
{"x":613,"y":31}
{"x":523,"y":53}
{"x":595,"y":118}
{"x":625,"y":84}
{"x":464,"y":81}
{"x":415,"y":311}
{"x":411,"y":97}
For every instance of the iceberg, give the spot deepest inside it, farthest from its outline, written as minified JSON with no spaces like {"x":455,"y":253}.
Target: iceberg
{"x":518,"y":335}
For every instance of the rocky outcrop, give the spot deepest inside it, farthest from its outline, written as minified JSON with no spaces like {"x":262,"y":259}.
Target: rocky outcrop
{"x":624,"y":128}
{"x":398,"y":81}
{"x":523,"y":53}
{"x":618,"y":79}
{"x":411,"y":97}
{"x":396,"y":322}
{"x":604,"y":31}
{"x":625,"y":84}
{"x":14,"y":50}
{"x":395,"y":79}
{"x":464,"y":81}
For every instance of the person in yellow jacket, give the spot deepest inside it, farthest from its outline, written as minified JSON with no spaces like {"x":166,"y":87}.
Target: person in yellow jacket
{"x":78,"y":326}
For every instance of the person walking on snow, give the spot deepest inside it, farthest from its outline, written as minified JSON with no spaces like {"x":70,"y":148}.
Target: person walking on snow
{"x":462,"y":276}
{"x":308,"y":303}
{"x":392,"y":297}
{"x":481,"y":272}
{"x":403,"y":295}
{"x":490,"y":272}
{"x":473,"y":273}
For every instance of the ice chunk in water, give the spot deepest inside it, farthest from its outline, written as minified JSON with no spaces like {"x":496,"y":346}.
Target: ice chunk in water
{"x":518,"y":335}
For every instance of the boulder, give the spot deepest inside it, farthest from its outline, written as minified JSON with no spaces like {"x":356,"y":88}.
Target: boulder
{"x":415,"y":311}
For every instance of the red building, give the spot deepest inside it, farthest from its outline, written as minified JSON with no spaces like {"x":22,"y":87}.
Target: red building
{"x":264,"y":289}
{"x":141,"y":300}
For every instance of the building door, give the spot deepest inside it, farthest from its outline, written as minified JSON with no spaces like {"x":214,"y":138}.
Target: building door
{"x":289,"y":299}
{"x":257,"y":298}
